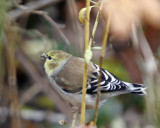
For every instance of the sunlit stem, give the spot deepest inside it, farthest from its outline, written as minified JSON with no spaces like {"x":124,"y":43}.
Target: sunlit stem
{"x":74,"y":119}
{"x":83,"y":107}
{"x":95,"y":24}
{"x":100,"y":65}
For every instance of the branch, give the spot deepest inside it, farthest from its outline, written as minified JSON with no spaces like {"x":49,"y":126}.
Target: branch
{"x":30,"y":93}
{"x":53,"y":23}
{"x":12,"y":79}
{"x":96,"y":23}
{"x":150,"y":72}
{"x":30,"y":7}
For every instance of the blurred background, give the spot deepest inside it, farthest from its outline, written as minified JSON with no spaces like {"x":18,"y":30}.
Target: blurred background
{"x":29,"y":28}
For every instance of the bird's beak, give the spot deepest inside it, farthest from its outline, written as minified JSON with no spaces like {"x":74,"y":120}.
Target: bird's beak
{"x":43,"y":56}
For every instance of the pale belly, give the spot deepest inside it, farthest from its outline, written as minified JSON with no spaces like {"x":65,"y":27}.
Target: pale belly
{"x":75,"y":99}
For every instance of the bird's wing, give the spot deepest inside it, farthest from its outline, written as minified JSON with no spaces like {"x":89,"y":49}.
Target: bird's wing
{"x":70,"y":78}
{"x":109,"y":82}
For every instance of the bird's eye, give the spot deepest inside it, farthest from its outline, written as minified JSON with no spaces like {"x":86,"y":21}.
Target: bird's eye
{"x":49,"y":57}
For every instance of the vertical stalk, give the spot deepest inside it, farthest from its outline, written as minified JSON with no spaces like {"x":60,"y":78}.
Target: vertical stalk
{"x":12,"y":80}
{"x":100,"y":65}
{"x":96,"y":23}
{"x":85,"y":64}
{"x":74,"y":119}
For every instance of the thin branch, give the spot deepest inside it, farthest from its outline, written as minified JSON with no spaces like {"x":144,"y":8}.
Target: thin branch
{"x":96,"y":23}
{"x":83,"y":107}
{"x":148,"y":65}
{"x":30,"y":93}
{"x":12,"y":81}
{"x":100,"y":65}
{"x":74,"y":119}
{"x":54,"y":25}
{"x":30,"y":7}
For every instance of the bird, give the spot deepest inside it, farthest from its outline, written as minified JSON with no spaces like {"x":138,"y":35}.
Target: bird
{"x":65,"y":73}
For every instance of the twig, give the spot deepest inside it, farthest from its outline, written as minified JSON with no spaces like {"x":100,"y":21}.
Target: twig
{"x":100,"y":65}
{"x":53,"y":23}
{"x":30,"y":7}
{"x":30,"y":93}
{"x":74,"y":119}
{"x":96,"y":23}
{"x":93,"y":2}
{"x":17,"y":5}
{"x":12,"y":82}
{"x":83,"y":107}
{"x":150,"y":73}
{"x":33,"y":33}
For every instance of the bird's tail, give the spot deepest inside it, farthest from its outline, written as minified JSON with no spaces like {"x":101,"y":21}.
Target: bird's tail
{"x":138,"y":89}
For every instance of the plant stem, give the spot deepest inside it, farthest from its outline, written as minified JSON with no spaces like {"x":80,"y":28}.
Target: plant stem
{"x":100,"y":65}
{"x":85,"y":64}
{"x":96,"y":23}
{"x":74,"y":119}
{"x":12,"y":79}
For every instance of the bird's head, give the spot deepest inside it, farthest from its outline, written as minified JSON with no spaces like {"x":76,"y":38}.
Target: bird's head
{"x":54,"y":60}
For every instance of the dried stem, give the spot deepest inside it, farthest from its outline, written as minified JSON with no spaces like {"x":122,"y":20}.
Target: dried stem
{"x":30,"y":7}
{"x":100,"y":65}
{"x":30,"y":93}
{"x":95,"y":24}
{"x":54,"y":25}
{"x":85,"y":65}
{"x":12,"y":80}
{"x":149,"y":69}
{"x":74,"y":119}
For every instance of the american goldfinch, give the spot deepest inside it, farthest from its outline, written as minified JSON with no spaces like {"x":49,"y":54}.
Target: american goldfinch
{"x":65,"y":73}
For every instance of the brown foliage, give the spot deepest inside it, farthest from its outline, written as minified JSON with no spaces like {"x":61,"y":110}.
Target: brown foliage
{"x":125,"y":12}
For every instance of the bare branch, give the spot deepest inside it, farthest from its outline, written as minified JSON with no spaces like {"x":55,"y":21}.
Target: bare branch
{"x":53,"y":23}
{"x":30,"y":93}
{"x":30,"y":7}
